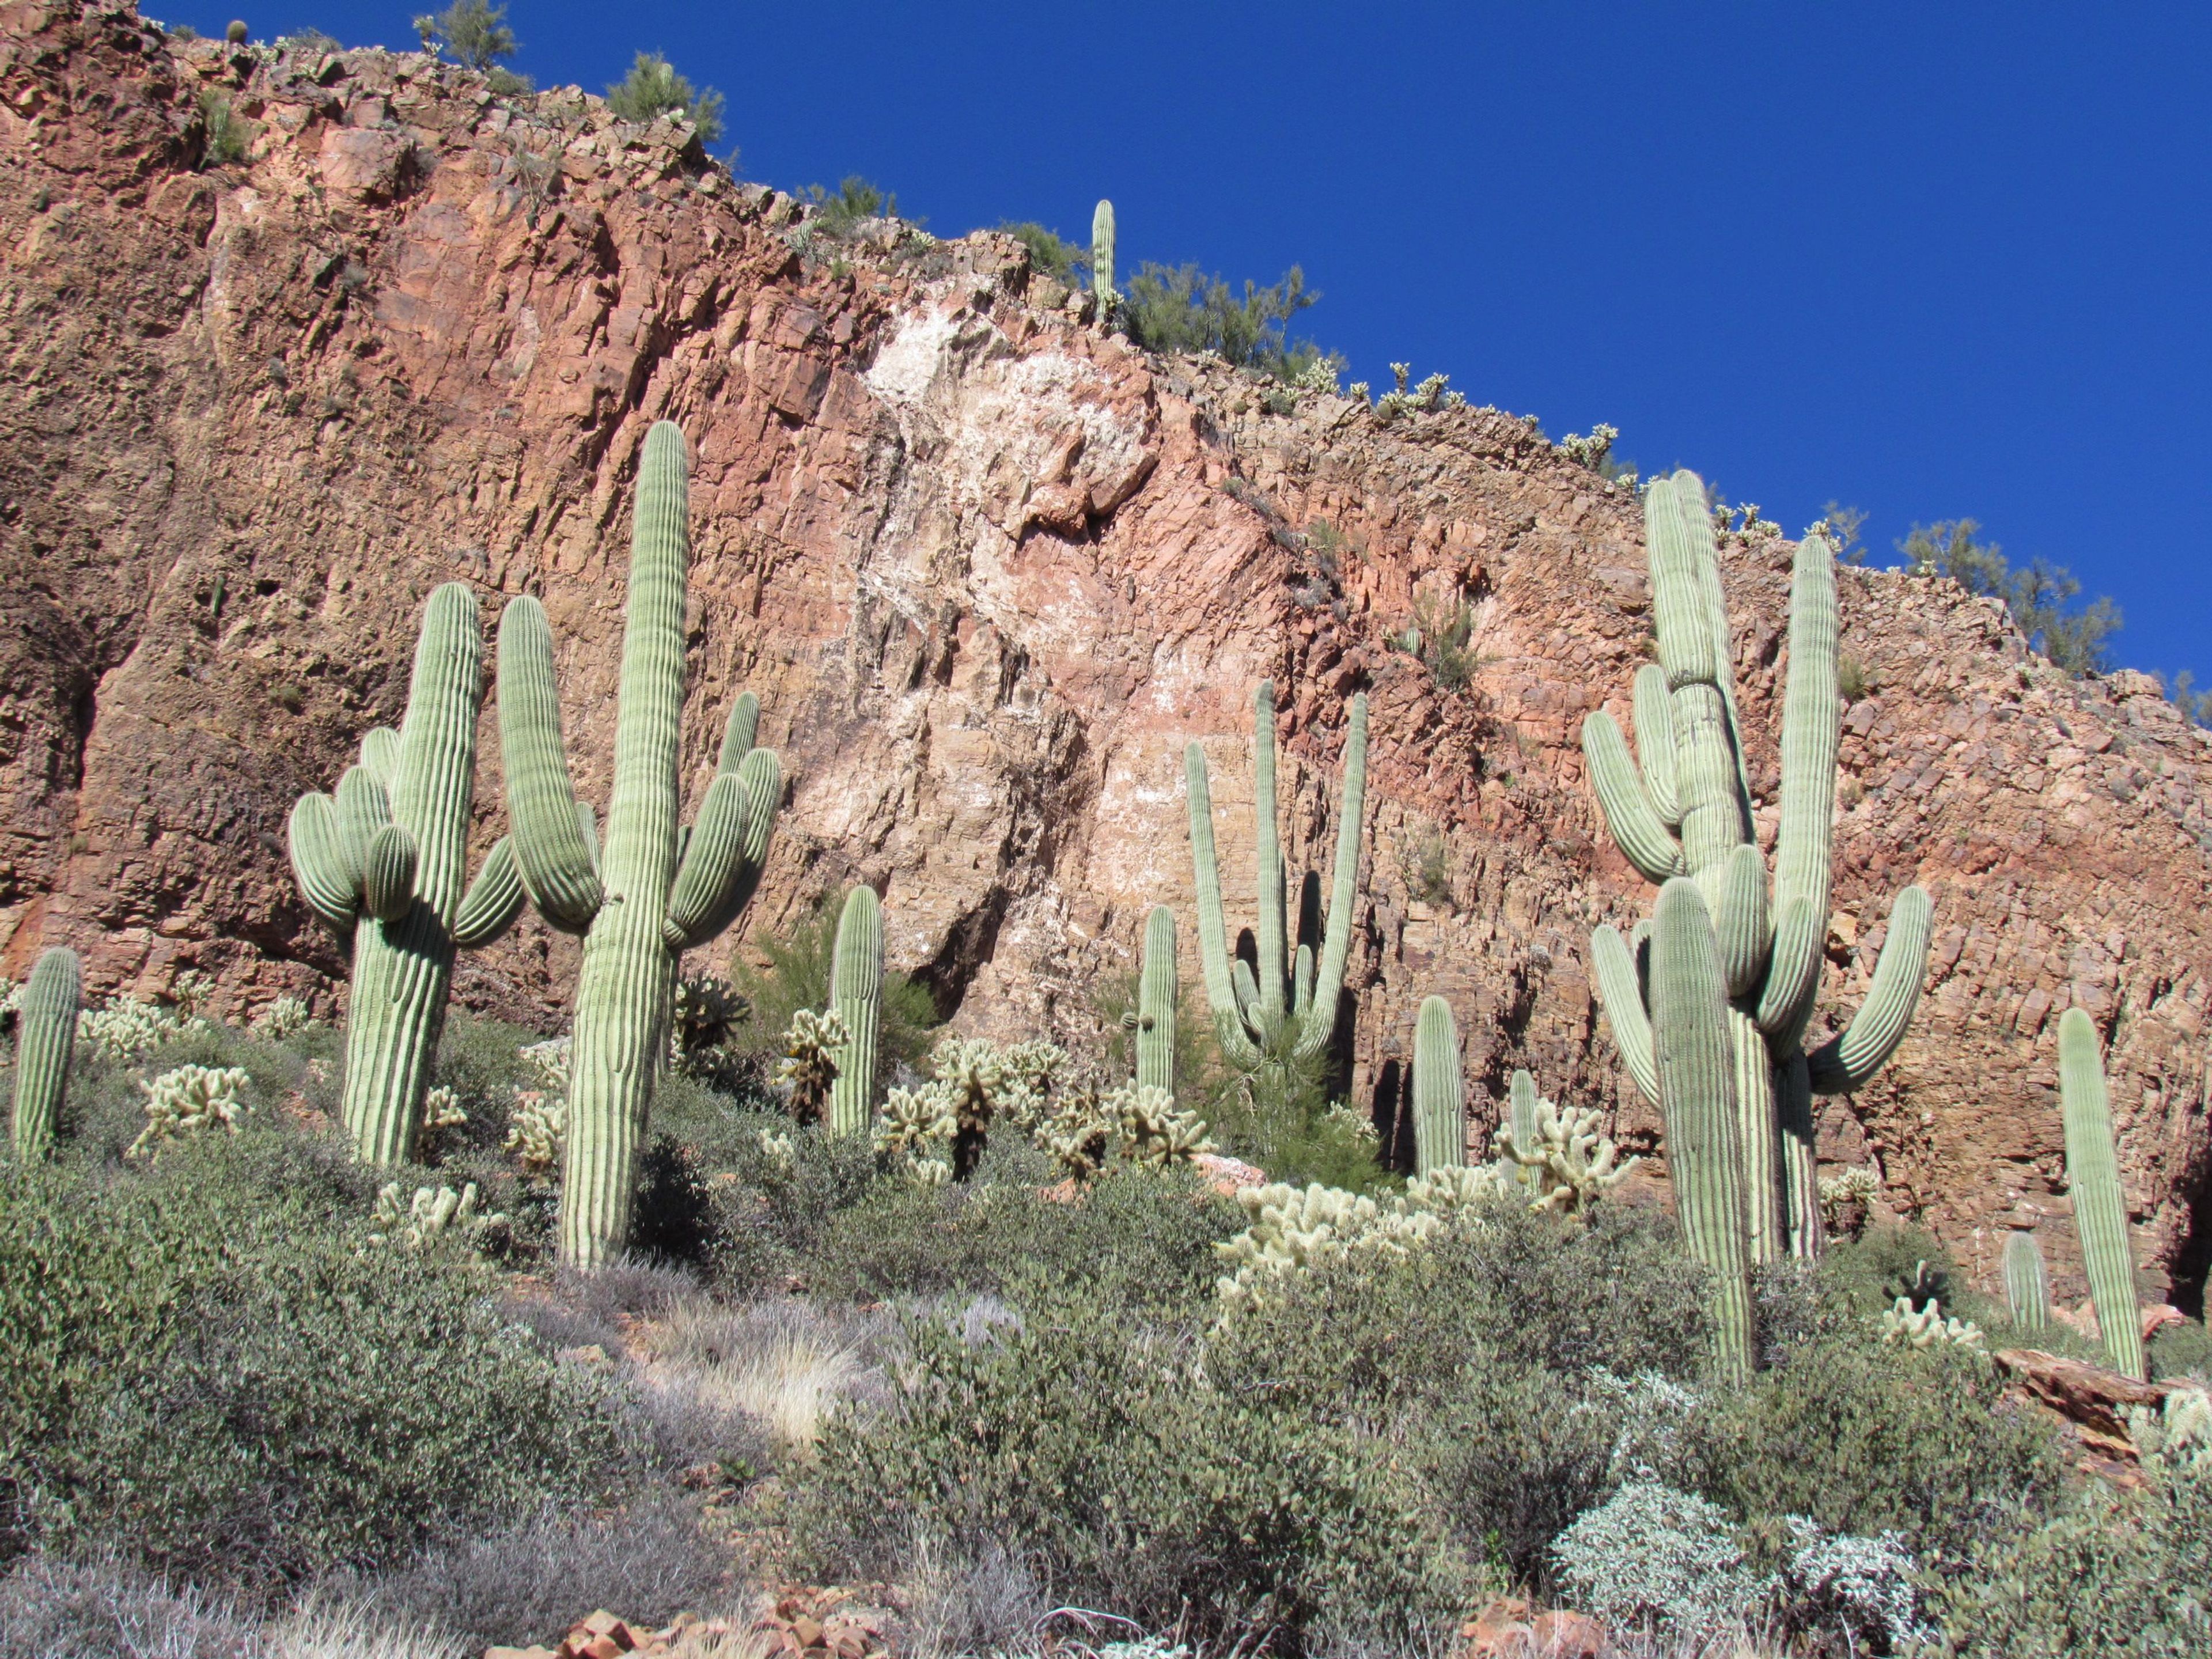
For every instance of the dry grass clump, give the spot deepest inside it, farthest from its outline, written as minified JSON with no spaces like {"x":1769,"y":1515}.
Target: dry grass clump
{"x":787,"y":1364}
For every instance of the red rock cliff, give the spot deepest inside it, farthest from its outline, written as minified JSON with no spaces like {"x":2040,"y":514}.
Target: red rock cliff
{"x":988,"y":571}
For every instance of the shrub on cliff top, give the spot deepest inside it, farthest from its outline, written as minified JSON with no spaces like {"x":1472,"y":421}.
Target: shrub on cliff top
{"x":653,"y":88}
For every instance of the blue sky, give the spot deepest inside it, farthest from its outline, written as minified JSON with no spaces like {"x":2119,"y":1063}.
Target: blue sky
{"x":1927,"y":260}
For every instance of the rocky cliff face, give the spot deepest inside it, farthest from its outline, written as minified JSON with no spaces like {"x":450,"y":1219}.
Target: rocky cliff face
{"x":989,"y":570}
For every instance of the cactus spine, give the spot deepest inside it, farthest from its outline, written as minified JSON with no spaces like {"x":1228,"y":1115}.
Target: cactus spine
{"x":2027,"y":1287}
{"x":1157,"y":991}
{"x":642,"y":894}
{"x":384,"y":862}
{"x":1439,"y":1098}
{"x":2101,"y":1211}
{"x":1681,"y":807}
{"x":1102,"y":261}
{"x":856,"y":984}
{"x":45,"y":1042}
{"x":1288,"y":1001}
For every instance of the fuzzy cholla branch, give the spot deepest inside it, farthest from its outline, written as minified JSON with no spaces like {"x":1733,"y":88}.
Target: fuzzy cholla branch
{"x":434,"y":1216}
{"x":1900,"y":1325}
{"x":1570,"y":1163}
{"x":916,"y":1128}
{"x":809,"y":1065}
{"x":1141,"y":1125}
{"x":538,"y":1131}
{"x":187,"y":1100}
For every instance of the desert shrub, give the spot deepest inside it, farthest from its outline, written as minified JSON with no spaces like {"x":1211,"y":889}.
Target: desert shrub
{"x":325,"y":1626}
{"x":229,"y":136}
{"x":782,"y":1365}
{"x":1653,"y":1558}
{"x":2040,"y":596}
{"x":839,"y":213}
{"x":480,"y":1061}
{"x":989,"y":1601}
{"x":1278,"y":1115}
{"x":653,"y":88}
{"x":1088,"y":1443}
{"x":770,"y":1187}
{"x":1050,"y":254}
{"x":2180,"y":1349}
{"x":105,"y":1607}
{"x":798,"y":972}
{"x":529,"y":1581}
{"x":199,"y":1363}
{"x":474,"y":31}
{"x":630,"y":1285}
{"x":1182,"y":308}
{"x":2118,"y":1573}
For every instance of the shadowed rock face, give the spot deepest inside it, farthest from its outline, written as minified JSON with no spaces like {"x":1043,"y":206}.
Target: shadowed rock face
{"x":989,"y":572}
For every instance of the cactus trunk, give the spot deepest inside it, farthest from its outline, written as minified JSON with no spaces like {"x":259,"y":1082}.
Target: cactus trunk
{"x":1102,"y":260}
{"x":637,"y":906}
{"x":1157,"y":994}
{"x":856,"y":981}
{"x":1681,"y":807}
{"x":45,"y":1042}
{"x":1439,"y":1095}
{"x":387,"y":861}
{"x":2027,"y":1286}
{"x":2100,"y":1210}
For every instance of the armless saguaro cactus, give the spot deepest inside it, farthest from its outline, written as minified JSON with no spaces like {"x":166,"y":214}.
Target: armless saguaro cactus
{"x":1439,"y":1093}
{"x":2100,"y":1211}
{"x":384,"y":862}
{"x":1157,"y":991}
{"x":46,"y":1042}
{"x":1102,"y":261}
{"x":856,"y":985}
{"x":1291,"y":1000}
{"x":2027,"y":1287}
{"x":1681,"y":808}
{"x":638,"y":908}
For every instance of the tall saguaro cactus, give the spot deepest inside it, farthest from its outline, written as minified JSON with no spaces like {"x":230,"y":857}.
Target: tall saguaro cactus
{"x":1439,"y":1092}
{"x":383,"y":863}
{"x":2027,"y":1286}
{"x":1102,"y":260}
{"x":46,"y":1042}
{"x":1680,"y":811}
{"x":2100,"y":1211}
{"x":856,"y":986}
{"x":1290,"y":1000}
{"x":650,"y":892}
{"x":1156,"y":992}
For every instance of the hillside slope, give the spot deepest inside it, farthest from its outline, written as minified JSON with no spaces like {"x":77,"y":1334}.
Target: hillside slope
{"x":988,"y":571}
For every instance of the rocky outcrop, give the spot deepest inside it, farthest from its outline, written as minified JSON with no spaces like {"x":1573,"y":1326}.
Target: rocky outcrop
{"x":989,"y":570}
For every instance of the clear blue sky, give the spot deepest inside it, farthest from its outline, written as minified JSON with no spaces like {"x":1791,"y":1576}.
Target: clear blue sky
{"x":1928,"y":260}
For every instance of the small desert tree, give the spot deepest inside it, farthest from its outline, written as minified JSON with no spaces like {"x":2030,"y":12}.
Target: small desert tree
{"x":653,"y":88}
{"x":475,"y":33}
{"x":2038,"y":596}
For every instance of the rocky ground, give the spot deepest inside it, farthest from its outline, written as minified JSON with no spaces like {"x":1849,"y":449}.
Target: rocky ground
{"x":988,"y":569}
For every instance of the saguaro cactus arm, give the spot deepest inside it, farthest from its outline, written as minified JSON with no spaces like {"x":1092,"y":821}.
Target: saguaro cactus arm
{"x":387,"y":873}
{"x":494,"y":900}
{"x":1845,"y":1062}
{"x":1642,"y":836}
{"x":2100,"y":1210}
{"x":725,"y":851}
{"x":1319,"y":1008}
{"x":553,"y":844}
{"x":324,"y":863}
{"x":1236,"y":1044}
{"x":1621,"y":994}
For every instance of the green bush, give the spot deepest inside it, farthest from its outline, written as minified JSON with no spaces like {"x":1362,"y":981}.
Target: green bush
{"x":204,"y":1364}
{"x":653,"y":88}
{"x":1050,"y":254}
{"x":1182,"y":308}
{"x":798,"y":977}
{"x":2182,"y":1350}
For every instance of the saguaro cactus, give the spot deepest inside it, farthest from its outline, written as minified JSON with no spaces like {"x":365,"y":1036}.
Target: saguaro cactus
{"x":1681,"y":808}
{"x":1157,"y":991}
{"x":2101,"y":1211}
{"x":1291,"y":1001}
{"x":2027,"y":1287}
{"x":383,"y":863}
{"x":1102,"y":260}
{"x":1439,"y":1093}
{"x":46,"y":1042}
{"x":638,"y":908}
{"x":856,"y":984}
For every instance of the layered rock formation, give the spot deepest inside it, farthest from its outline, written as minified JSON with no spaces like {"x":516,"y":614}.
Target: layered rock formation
{"x":988,"y":569}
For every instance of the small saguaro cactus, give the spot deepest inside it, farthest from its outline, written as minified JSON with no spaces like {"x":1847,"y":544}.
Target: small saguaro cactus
{"x":1680,"y":810}
{"x":1291,"y":1000}
{"x":383,"y":864}
{"x":2101,"y":1211}
{"x":650,"y":892}
{"x":2027,"y":1287}
{"x":1102,"y":260}
{"x":1439,"y":1093}
{"x":856,"y":984}
{"x":1157,"y":991}
{"x":1521,"y":1108}
{"x":46,"y":1042}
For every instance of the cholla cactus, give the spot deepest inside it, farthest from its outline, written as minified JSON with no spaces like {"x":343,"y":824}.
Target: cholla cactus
{"x":1290,"y":1230}
{"x":1591,"y":451}
{"x":779,"y":1149}
{"x":1032,"y":1074}
{"x":1318,"y":375}
{"x":976,"y":1081}
{"x":434,"y":1216}
{"x":1901,"y":1325}
{"x":190,"y":991}
{"x":917,"y":1128}
{"x":187,"y":1100}
{"x":1569,"y":1161}
{"x":537,"y":1132}
{"x":1141,"y":1125}
{"x":809,"y":1065}
{"x":441,"y":1110}
{"x":126,"y":1029}
{"x":2178,"y":1438}
{"x":698,"y":1040}
{"x":284,"y":1016}
{"x":549,"y":1061}
{"x":1858,"y":1185}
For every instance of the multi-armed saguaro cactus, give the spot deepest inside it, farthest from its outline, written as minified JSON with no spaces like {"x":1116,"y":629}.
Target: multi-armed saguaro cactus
{"x":1439,"y":1098}
{"x":2027,"y":1287}
{"x":1289,"y":1001}
{"x":856,"y":985}
{"x":46,"y":1041}
{"x":1157,"y":991}
{"x":385,"y":863}
{"x":2100,"y":1211}
{"x":637,"y":906}
{"x":1102,"y":260}
{"x":1680,"y":810}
